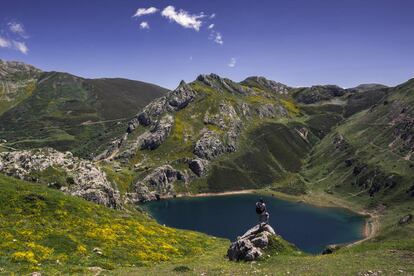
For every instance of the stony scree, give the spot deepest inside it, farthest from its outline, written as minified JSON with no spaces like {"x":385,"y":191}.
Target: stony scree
{"x":86,"y":179}
{"x":250,"y":246}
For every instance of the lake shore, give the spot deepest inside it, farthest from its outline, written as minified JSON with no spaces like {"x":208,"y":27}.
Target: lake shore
{"x":369,"y":231}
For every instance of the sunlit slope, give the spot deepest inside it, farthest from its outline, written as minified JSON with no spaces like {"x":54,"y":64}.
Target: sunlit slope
{"x":71,"y":113}
{"x":44,"y":230}
{"x":370,"y":156}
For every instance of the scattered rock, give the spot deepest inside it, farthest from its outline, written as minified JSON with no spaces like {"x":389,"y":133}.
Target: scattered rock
{"x":331,"y":249}
{"x":405,"y":219}
{"x":97,"y":250}
{"x":96,"y":270}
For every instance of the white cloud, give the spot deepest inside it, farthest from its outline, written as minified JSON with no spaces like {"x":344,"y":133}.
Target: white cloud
{"x":183,"y":18}
{"x":4,"y":43}
{"x":211,"y":26}
{"x":218,"y":39}
{"x":16,"y":28}
{"x":232,"y":62}
{"x":13,"y":44}
{"x":212,"y":15}
{"x":144,"y":11}
{"x":20,"y":46}
{"x":144,"y":25}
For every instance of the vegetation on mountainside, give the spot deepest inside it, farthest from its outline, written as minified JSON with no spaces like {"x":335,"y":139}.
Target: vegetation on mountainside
{"x":367,"y":158}
{"x":75,"y":114}
{"x":338,"y":145}
{"x":47,"y":231}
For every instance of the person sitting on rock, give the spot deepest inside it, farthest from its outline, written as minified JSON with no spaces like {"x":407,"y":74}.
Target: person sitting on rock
{"x":261,"y":212}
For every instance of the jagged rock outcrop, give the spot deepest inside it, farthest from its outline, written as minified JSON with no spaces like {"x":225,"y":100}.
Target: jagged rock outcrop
{"x":250,"y":246}
{"x":156,"y":184}
{"x":157,"y":135}
{"x":173,"y":101}
{"x":158,"y":116}
{"x":225,"y":118}
{"x":75,"y":176}
{"x":198,"y":166}
{"x":266,"y":84}
{"x":223,"y":84}
{"x":209,"y":146}
{"x":181,"y":97}
{"x":15,"y":69}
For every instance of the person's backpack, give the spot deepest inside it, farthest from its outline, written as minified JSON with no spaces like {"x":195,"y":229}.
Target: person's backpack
{"x":259,"y":208}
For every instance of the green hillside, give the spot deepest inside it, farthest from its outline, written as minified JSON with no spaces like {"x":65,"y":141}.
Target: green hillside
{"x":44,"y":230}
{"x":71,"y":113}
{"x":323,"y":144}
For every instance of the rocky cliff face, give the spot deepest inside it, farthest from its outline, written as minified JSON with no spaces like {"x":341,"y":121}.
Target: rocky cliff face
{"x":207,"y":117}
{"x":63,"y":171}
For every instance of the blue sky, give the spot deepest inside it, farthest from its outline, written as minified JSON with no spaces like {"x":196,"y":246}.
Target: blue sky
{"x":297,"y":42}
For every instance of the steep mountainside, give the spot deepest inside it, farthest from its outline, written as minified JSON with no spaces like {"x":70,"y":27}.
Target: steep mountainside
{"x":18,"y":80}
{"x":215,"y":135}
{"x":64,"y":111}
{"x":369,"y":157}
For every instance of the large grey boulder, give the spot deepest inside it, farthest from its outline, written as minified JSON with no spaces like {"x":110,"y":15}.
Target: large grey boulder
{"x":84,"y":179}
{"x":250,"y":246}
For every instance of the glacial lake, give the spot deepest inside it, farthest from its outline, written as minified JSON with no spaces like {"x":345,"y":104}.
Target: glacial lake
{"x":309,"y":227}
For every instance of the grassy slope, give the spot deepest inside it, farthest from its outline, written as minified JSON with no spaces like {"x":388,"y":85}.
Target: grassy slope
{"x":57,"y":110}
{"x":45,"y":230}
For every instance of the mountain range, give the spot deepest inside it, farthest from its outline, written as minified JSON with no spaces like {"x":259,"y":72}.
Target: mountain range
{"x":142,"y":142}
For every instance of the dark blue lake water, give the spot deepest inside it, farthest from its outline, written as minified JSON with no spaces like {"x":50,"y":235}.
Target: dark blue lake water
{"x":309,"y":227}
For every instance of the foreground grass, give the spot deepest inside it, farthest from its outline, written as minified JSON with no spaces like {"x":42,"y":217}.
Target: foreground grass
{"x":389,"y":262}
{"x":43,"y":230}
{"x":390,"y":251}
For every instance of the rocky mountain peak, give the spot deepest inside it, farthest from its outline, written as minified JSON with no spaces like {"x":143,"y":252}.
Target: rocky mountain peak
{"x":223,"y":84}
{"x":266,"y":84}
{"x":16,"y":69}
